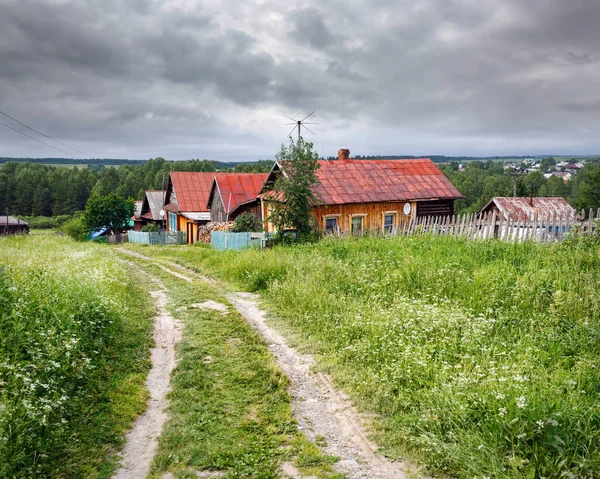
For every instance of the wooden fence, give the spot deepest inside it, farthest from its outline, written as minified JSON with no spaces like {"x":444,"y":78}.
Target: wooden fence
{"x":156,"y":238}
{"x":493,"y":225}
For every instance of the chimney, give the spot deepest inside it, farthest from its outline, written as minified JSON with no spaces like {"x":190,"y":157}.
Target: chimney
{"x":343,"y":154}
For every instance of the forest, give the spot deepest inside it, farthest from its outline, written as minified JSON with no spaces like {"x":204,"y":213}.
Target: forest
{"x":32,"y":189}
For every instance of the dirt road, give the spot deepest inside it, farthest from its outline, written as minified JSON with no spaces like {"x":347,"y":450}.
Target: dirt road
{"x":322,"y":411}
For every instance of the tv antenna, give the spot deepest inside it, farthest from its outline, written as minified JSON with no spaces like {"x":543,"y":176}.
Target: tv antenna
{"x":300,"y":124}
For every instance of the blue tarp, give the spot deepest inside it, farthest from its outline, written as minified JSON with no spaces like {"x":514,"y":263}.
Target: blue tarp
{"x":97,"y":233}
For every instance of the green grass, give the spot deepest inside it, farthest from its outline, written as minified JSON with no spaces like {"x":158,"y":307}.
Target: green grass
{"x":482,"y":359}
{"x":229,"y":406}
{"x":74,"y":353}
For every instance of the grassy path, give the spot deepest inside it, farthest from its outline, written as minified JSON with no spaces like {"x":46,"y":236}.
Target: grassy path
{"x":229,"y":412}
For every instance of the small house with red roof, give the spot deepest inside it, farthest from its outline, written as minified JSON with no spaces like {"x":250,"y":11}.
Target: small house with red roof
{"x":187,"y":205}
{"x":234,"y":194}
{"x":185,"y":201}
{"x":356,"y":195}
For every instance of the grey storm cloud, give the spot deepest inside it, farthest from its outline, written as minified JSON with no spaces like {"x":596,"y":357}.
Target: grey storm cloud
{"x":187,"y":79}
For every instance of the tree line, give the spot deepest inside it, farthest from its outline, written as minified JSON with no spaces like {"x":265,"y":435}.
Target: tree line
{"x":31,"y":189}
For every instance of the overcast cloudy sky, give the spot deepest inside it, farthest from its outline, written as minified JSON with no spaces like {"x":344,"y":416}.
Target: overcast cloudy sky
{"x":190,"y":79}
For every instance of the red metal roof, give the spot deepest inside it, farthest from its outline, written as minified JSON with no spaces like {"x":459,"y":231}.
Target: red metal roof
{"x":520,"y":208}
{"x":192,"y":189}
{"x":366,"y":181}
{"x":239,"y":188}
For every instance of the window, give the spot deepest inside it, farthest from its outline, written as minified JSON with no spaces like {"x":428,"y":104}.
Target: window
{"x":389,"y":220}
{"x":331,"y":224}
{"x":172,"y":221}
{"x":357,"y":225}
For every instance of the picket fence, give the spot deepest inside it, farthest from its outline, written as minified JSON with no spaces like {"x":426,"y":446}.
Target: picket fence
{"x":494,"y":225}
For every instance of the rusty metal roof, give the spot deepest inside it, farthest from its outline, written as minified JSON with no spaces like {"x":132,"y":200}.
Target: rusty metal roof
{"x":521,"y":208}
{"x":237,"y":189}
{"x":367,"y":181}
{"x":192,"y":189}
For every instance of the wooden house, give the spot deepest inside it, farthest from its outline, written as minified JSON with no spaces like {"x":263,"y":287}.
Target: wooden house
{"x":527,"y":208}
{"x":152,"y":205}
{"x":234,"y":194}
{"x":185,"y":202}
{"x":356,"y":195}
{"x":12,"y":226}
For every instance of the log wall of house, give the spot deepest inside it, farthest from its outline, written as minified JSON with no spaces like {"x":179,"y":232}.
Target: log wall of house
{"x":372,"y":214}
{"x":435,"y":208}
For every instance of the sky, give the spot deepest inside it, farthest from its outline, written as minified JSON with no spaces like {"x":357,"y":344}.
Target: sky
{"x":190,"y":79}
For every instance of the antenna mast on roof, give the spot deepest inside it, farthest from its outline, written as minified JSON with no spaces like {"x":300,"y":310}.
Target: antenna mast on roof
{"x":299,"y":124}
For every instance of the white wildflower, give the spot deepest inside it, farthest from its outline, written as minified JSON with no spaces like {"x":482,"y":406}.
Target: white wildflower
{"x":522,"y":402}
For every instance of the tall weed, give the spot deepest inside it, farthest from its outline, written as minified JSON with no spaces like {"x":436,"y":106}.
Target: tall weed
{"x":65,"y":317}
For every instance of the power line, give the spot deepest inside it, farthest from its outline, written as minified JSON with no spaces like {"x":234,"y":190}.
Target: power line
{"x":40,"y":133}
{"x":39,"y":141}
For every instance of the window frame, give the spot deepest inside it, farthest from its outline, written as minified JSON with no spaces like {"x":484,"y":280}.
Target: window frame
{"x":337,"y":223}
{"x":385,"y":214}
{"x":360,"y":216}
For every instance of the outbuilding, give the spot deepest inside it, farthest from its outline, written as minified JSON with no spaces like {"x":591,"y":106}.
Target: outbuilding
{"x":12,"y":226}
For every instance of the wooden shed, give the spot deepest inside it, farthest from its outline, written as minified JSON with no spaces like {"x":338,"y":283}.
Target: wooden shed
{"x":357,"y":195}
{"x":521,"y":208}
{"x":12,"y":226}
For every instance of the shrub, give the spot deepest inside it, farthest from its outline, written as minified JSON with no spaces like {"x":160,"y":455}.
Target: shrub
{"x":45,"y":222}
{"x":150,"y":228}
{"x":247,"y":223}
{"x":75,"y":228}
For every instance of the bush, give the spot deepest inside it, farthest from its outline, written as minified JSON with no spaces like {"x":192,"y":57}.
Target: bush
{"x":45,"y":222}
{"x":75,"y":228}
{"x":150,"y":228}
{"x":247,"y":223}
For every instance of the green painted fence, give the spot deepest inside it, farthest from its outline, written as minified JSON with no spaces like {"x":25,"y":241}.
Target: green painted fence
{"x":156,"y":238}
{"x":222,"y":240}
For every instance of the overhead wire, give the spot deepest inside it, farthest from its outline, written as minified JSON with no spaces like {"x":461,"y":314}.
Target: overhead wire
{"x":36,"y":139}
{"x":44,"y":135}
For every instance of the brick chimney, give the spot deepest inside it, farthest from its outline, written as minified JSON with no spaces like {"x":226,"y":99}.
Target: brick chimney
{"x":343,"y":154}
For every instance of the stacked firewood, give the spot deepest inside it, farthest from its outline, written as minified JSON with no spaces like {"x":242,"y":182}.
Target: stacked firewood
{"x":204,"y":230}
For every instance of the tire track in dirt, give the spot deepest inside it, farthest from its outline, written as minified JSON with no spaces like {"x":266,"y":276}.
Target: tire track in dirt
{"x":320,"y":408}
{"x":142,"y":441}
